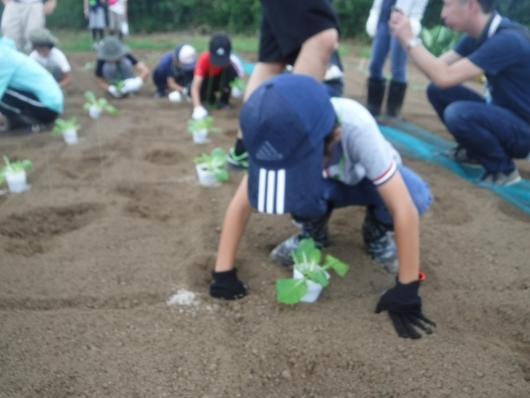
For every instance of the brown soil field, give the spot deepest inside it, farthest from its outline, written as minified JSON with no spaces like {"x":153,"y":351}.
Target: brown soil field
{"x":114,"y":226}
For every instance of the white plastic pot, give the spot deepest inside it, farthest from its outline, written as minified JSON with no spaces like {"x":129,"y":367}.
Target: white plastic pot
{"x":174,"y":97}
{"x":200,"y":136}
{"x":70,"y":136}
{"x":16,"y":181}
{"x":205,"y":176}
{"x":95,"y":112}
{"x":313,"y":289}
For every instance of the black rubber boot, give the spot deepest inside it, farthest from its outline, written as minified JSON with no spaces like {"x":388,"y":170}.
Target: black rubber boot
{"x":376,"y":93}
{"x":396,"y":95}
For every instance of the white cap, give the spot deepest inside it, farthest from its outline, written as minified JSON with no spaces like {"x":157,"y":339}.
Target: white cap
{"x":187,"y":55}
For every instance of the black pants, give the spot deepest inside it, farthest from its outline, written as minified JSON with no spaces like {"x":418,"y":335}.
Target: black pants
{"x":216,"y":89}
{"x":23,"y":109}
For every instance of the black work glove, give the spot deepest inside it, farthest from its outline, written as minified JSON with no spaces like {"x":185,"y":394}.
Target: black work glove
{"x":227,"y":286}
{"x":404,"y":308}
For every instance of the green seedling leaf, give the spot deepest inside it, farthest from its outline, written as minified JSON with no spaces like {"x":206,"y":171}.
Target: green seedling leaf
{"x":340,"y":267}
{"x":201,"y":124}
{"x":306,"y":253}
{"x":62,"y":125}
{"x":120,"y":85}
{"x":10,"y":167}
{"x":318,"y":275}
{"x":239,"y":84}
{"x":290,"y":291}
{"x":307,"y":259}
{"x":102,"y":103}
{"x":215,"y":163}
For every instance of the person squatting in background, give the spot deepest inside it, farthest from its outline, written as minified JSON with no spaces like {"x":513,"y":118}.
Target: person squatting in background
{"x":20,"y":17}
{"x":489,"y":131}
{"x":383,"y":44}
{"x":214,"y":72}
{"x":118,"y":21}
{"x":29,"y":95}
{"x":118,"y":72}
{"x":174,"y":73}
{"x":95,"y":13}
{"x":46,"y":53}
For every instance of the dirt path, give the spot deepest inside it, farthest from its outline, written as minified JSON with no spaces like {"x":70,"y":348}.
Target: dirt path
{"x":114,"y":226}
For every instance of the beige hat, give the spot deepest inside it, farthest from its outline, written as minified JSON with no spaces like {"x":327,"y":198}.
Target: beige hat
{"x":112,"y":49}
{"x":43,"y":37}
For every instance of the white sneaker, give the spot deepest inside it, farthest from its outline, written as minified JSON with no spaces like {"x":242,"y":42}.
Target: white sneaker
{"x":501,"y":179}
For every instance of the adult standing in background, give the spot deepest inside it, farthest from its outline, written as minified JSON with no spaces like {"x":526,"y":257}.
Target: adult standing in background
{"x":383,"y":44}
{"x":118,"y":21}
{"x":20,"y":17}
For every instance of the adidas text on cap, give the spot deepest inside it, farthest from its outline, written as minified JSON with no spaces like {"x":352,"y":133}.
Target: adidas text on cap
{"x":285,"y":122}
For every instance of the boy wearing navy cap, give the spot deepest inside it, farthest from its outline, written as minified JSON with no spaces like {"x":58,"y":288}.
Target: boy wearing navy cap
{"x":305,"y":163}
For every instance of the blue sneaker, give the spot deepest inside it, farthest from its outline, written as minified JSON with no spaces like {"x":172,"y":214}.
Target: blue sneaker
{"x":237,"y":161}
{"x":380,"y":244}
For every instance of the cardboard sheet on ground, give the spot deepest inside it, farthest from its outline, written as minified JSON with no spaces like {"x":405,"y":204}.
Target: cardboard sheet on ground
{"x":418,"y":143}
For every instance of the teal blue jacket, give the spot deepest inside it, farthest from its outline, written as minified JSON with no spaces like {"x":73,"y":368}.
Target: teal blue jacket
{"x":20,"y":72}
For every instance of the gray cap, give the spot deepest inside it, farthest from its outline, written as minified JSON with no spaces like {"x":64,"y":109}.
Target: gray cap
{"x":112,"y":49}
{"x":43,"y":37}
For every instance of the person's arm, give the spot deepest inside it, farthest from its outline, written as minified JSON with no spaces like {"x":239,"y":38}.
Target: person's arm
{"x":437,"y":70}
{"x":235,"y":222}
{"x":225,"y":284}
{"x":450,"y":57}
{"x":67,"y":78}
{"x":403,"y":302}
{"x":85,"y":8}
{"x":142,"y":69}
{"x":49,"y":7}
{"x":406,"y":226}
{"x":102,"y":83}
{"x":173,"y":85}
{"x":196,"y":85}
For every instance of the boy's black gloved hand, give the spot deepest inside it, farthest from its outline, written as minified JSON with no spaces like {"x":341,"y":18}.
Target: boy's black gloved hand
{"x":226,"y":285}
{"x":404,"y":308}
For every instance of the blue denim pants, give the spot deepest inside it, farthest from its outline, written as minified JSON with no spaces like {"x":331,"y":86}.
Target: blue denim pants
{"x":385,"y":42}
{"x":491,"y":134}
{"x":365,"y":194}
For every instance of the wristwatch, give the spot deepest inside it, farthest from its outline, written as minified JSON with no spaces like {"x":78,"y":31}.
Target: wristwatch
{"x":413,"y":43}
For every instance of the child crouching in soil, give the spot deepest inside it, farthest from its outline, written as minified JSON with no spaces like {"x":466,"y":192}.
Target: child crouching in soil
{"x":291,"y":132}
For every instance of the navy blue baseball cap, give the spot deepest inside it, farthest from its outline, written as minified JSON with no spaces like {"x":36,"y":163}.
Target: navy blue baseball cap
{"x":285,"y":123}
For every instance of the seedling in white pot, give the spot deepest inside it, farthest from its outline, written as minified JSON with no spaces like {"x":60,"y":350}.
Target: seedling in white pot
{"x":14,"y":173}
{"x":237,"y":87}
{"x":67,"y":129}
{"x":211,"y":168}
{"x":309,"y":275}
{"x":200,"y":128}
{"x":95,"y":106}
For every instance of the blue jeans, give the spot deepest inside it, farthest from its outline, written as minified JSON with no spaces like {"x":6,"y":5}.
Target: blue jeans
{"x":365,"y":194}
{"x":491,"y":134}
{"x":384,"y":42}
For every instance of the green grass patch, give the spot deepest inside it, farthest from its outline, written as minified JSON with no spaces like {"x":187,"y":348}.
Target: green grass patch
{"x":80,"y":41}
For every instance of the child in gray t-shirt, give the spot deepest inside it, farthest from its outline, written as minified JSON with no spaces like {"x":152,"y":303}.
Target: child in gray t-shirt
{"x":308,"y":155}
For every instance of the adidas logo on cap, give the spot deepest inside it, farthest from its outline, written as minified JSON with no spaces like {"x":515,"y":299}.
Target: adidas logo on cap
{"x":268,"y":153}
